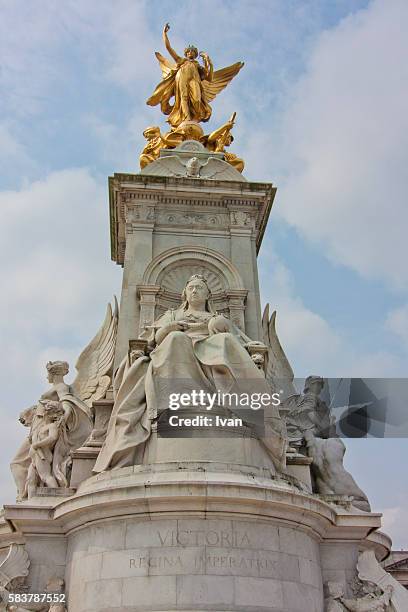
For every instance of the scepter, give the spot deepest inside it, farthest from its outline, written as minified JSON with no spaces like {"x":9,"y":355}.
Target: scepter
{"x":228,"y":127}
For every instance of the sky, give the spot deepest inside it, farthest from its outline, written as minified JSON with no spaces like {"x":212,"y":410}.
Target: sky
{"x":321,"y":112}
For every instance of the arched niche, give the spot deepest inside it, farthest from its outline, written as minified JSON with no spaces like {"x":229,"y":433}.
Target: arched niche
{"x":166,"y":275}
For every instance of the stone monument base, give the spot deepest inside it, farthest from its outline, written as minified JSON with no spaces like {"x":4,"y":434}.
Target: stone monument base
{"x":193,"y":536}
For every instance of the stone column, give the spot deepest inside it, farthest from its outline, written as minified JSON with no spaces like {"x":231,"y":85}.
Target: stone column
{"x":243,"y":256}
{"x":138,"y":254}
{"x":147,"y":295}
{"x":236,"y":305}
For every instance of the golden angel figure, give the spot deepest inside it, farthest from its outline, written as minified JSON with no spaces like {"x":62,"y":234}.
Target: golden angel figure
{"x":221,"y":138}
{"x":151,"y":150}
{"x":192,"y":85}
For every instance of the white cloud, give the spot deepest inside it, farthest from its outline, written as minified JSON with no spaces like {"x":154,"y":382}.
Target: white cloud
{"x":28,"y":33}
{"x":115,"y":150}
{"x":132,"y":44}
{"x":397,"y":322}
{"x":312,"y":345}
{"x":15,"y":161}
{"x":54,"y":248}
{"x":9,"y":145}
{"x":395,"y":522}
{"x":306,"y":337}
{"x":112,"y":41}
{"x":342,"y":152}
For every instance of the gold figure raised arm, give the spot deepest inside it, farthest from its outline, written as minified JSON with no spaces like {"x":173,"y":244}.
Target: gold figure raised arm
{"x":192,"y":85}
{"x":221,"y":138}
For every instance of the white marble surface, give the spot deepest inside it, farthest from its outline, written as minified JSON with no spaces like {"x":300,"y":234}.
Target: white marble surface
{"x":210,"y":563}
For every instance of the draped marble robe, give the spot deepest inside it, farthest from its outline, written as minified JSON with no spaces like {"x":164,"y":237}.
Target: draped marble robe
{"x":77,"y":429}
{"x":193,"y":359}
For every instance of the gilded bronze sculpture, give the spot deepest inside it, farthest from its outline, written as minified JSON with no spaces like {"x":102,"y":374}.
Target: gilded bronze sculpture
{"x":221,"y":138}
{"x":191,"y":86}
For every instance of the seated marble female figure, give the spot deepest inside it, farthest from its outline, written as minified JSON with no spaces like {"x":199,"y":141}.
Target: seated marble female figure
{"x":194,"y":349}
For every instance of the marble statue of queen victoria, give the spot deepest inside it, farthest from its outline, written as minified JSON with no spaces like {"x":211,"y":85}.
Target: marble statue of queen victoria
{"x":198,"y":349}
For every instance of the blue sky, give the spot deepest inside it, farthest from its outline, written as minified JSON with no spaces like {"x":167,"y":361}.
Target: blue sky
{"x":321,"y":112}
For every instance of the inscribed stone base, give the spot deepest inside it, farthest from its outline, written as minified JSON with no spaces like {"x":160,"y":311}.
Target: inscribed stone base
{"x":191,"y":536}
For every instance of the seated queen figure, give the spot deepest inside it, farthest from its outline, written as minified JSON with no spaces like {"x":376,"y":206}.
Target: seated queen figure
{"x":194,"y":348}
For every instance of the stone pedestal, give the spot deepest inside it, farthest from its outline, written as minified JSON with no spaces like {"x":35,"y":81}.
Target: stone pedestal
{"x":202,"y":524}
{"x":240,"y":447}
{"x":299,"y":467}
{"x":197,"y":564}
{"x":163,"y":229}
{"x":193,"y":536}
{"x":83,"y":461}
{"x":102,"y":409}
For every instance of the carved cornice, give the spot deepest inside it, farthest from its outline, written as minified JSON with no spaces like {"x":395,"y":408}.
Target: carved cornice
{"x":147,"y":203}
{"x":124,"y":492}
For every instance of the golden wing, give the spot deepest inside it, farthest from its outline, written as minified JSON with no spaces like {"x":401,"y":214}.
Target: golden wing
{"x":220,"y":80}
{"x":165,"y":66}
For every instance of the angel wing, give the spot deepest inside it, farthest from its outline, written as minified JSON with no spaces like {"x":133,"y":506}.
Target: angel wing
{"x":220,"y":80}
{"x":165,"y":66}
{"x":95,"y":363}
{"x":278,"y":364}
{"x":15,"y":565}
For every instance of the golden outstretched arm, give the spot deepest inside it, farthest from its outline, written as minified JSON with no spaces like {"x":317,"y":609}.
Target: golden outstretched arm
{"x":219,"y":136}
{"x":167,"y":44}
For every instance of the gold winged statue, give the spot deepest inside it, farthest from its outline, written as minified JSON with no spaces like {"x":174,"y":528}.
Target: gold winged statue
{"x":192,"y":85}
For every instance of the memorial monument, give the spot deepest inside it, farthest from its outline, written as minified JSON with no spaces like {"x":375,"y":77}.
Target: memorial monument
{"x":119,"y":510}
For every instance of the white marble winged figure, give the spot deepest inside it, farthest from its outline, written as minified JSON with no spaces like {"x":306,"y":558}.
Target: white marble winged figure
{"x":61,"y":421}
{"x":370,"y":570}
{"x":377,"y":590}
{"x":94,"y":365}
{"x":278,"y":371}
{"x":15,"y":565}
